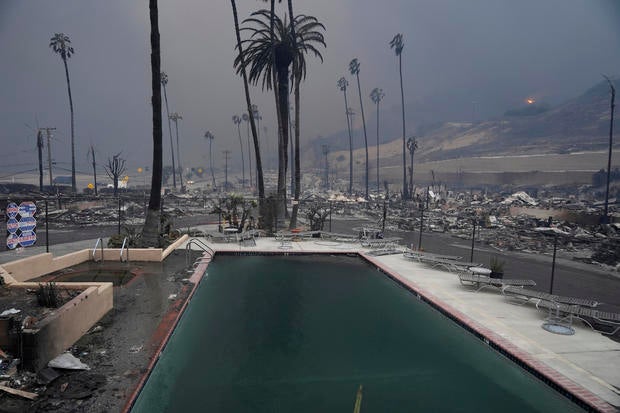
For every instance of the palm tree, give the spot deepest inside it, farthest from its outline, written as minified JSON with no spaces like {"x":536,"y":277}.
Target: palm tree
{"x":376,"y":95}
{"x":259,"y":164}
{"x":150,"y":231}
{"x":266,"y":57}
{"x":209,"y":136}
{"x":397,"y":44}
{"x":61,"y":44}
{"x":354,"y":68}
{"x":164,"y":82}
{"x":412,"y":145}
{"x":237,"y":121}
{"x":343,"y":84}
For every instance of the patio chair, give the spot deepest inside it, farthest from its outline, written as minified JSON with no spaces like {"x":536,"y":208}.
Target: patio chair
{"x":593,"y":318}
{"x":481,"y":281}
{"x":525,"y":295}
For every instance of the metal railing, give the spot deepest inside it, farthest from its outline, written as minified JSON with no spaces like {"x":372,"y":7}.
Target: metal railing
{"x":98,"y":243}
{"x":202,"y":245}
{"x":125,"y":243}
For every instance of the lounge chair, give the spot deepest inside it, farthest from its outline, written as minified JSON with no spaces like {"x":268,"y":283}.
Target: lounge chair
{"x":447,"y":262}
{"x":591,"y":317}
{"x":482,"y":281}
{"x":525,"y":295}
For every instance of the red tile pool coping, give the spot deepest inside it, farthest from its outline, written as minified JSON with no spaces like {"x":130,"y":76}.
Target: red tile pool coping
{"x":165,"y":328}
{"x":573,"y":391}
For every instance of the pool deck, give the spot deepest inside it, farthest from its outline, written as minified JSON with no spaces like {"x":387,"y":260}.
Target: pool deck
{"x":586,"y":364}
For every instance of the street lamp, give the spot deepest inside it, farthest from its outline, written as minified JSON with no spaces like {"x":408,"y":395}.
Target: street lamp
{"x":176,"y":117}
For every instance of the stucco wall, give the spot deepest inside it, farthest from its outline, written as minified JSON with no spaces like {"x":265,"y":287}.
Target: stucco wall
{"x":59,"y":330}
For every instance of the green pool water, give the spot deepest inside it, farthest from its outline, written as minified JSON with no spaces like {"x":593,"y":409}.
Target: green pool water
{"x":300,"y":334}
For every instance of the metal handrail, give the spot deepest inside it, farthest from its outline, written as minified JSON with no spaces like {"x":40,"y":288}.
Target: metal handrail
{"x":203,"y":246}
{"x":99,"y":242}
{"x":123,"y":247}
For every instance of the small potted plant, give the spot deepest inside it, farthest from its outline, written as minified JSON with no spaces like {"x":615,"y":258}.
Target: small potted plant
{"x":497,"y":268}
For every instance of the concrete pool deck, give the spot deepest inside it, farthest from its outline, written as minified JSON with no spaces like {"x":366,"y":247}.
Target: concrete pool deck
{"x":587,"y":364}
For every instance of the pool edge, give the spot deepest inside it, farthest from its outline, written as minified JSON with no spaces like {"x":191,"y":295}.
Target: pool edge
{"x":574,"y":392}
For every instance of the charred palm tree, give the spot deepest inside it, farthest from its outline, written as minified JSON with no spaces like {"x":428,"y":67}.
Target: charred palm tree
{"x":354,"y":68}
{"x":150,"y":231}
{"x":61,"y":45}
{"x":376,"y":95}
{"x":246,"y":88}
{"x":343,"y":84}
{"x":397,"y":44}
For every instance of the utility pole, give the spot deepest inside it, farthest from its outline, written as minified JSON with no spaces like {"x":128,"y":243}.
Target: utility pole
{"x":40,"y":151}
{"x":226,"y":155}
{"x":325,"y":149}
{"x":92,"y":152}
{"x":48,"y":132}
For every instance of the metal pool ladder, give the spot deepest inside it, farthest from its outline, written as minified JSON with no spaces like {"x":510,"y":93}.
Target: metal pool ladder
{"x":125,"y":242}
{"x":200,"y":244}
{"x":98,"y":243}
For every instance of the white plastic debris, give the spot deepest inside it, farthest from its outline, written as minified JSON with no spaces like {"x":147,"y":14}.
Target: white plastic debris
{"x":10,"y":312}
{"x":67,"y":361}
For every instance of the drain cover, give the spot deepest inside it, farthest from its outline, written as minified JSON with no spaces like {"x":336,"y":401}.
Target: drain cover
{"x":558,"y":329}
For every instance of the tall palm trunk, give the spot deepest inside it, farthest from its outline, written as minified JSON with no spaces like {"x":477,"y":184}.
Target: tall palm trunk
{"x":378,"y":148}
{"x":402,"y":104}
{"x":242,"y":157}
{"x":73,"y":185}
{"x":281,"y":201}
{"x":346,"y":110}
{"x":295,"y":211}
{"x":359,"y":88}
{"x":174,"y":170}
{"x":150,"y":231}
{"x":296,"y":172}
{"x":259,"y":164}
{"x":176,"y":128}
{"x":251,"y":182}
{"x":283,"y":91}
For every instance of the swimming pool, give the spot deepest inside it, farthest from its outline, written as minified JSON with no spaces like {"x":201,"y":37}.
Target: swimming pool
{"x":301,"y":333}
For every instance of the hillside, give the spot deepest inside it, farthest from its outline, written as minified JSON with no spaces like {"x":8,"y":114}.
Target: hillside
{"x":579,"y":125}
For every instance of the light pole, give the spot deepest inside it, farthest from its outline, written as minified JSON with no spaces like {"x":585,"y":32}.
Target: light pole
{"x":343,"y":84}
{"x":164,"y":82}
{"x":237,"y":121}
{"x":175,"y":117}
{"x":209,"y":136}
{"x":611,"y":135}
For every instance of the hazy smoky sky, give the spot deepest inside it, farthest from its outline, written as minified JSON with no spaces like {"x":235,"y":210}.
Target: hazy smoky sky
{"x":493,"y":52}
